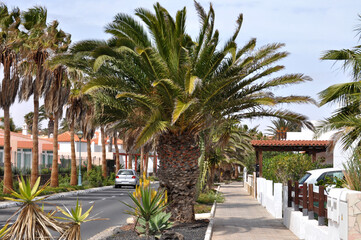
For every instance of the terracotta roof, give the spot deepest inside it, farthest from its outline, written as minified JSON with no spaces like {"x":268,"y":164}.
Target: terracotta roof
{"x":48,"y":147}
{"x":25,"y":144}
{"x":1,"y":142}
{"x":323,"y":143}
{"x":65,"y":137}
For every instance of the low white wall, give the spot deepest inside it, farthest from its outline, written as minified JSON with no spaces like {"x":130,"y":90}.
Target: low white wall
{"x":270,"y":196}
{"x":304,"y":228}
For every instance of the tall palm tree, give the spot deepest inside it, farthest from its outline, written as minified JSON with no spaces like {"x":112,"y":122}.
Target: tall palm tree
{"x":42,"y":42}
{"x":55,"y":98}
{"x":347,"y":118}
{"x":184,"y":85}
{"x":10,"y":41}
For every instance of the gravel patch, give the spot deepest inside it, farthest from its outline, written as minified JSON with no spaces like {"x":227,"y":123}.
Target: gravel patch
{"x":190,"y":231}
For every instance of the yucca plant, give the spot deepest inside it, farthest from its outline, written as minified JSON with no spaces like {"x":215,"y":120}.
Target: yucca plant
{"x":32,"y":222}
{"x":352,"y":171}
{"x":76,"y":218}
{"x":148,"y":209}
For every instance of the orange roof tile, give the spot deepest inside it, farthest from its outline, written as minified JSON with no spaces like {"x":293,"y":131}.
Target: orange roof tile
{"x":1,"y":142}
{"x":48,"y":147}
{"x":25,"y":144}
{"x":291,"y":142}
{"x":65,"y":137}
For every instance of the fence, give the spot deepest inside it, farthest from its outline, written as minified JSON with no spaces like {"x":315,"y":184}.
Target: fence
{"x":269,"y":194}
{"x":311,"y":203}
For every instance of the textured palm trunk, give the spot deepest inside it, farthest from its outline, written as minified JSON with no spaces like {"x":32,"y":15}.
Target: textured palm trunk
{"x":141,"y":160}
{"x":155,"y":163}
{"x":130,"y":161}
{"x":54,"y":180}
{"x":88,"y":147}
{"x":236,"y":173}
{"x":35,"y":132}
{"x":178,"y":173}
{"x":117,"y":162}
{"x":211,"y":177}
{"x":8,"y":178}
{"x":104,"y":160}
{"x":73,"y":179}
{"x":146,"y":164}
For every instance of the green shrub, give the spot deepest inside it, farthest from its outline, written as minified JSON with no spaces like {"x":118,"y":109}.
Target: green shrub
{"x":95,"y":178}
{"x":45,"y":171}
{"x":210,"y":196}
{"x":1,"y":171}
{"x":288,"y":166}
{"x":64,"y":180}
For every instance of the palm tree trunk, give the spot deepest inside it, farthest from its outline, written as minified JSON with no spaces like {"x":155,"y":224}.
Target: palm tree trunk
{"x":35,"y":159}
{"x":8,"y":178}
{"x":117,"y":162}
{"x":104,"y":160}
{"x":88,"y":147}
{"x":141,"y":160}
{"x":155,"y":163}
{"x":178,"y":173}
{"x":236,"y":173}
{"x":130,"y":161}
{"x":54,"y":180}
{"x":73,"y":179}
{"x":211,"y":177}
{"x":146,"y":164}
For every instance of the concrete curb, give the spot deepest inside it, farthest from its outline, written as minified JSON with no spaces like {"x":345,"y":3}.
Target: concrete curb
{"x":57,"y":195}
{"x":209,"y":230}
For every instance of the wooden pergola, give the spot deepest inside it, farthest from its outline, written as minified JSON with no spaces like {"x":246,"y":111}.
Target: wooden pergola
{"x":311,"y":147}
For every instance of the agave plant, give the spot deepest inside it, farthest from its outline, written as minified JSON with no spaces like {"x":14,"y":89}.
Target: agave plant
{"x":148,"y":208}
{"x":4,"y":230}
{"x":37,"y":221}
{"x":76,"y":218}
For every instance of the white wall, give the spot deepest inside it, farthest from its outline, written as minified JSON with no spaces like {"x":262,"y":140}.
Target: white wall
{"x":270,"y":196}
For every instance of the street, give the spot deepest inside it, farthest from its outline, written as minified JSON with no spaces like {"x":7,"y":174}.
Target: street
{"x":106,"y":205}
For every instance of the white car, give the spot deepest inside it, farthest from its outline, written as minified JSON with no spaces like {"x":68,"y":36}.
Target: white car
{"x":314,"y":176}
{"x":126,"y":177}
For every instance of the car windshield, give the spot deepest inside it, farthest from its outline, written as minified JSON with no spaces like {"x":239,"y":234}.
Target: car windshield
{"x":304,"y":178}
{"x":125,"y":172}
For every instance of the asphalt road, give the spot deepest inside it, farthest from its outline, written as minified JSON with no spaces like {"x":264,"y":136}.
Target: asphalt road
{"x":106,"y":205}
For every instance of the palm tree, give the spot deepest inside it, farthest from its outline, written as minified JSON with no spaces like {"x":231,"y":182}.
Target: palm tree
{"x":55,"y":99}
{"x":10,"y":41}
{"x":41,"y":43}
{"x":281,"y":127}
{"x":184,"y":85}
{"x":347,"y":118}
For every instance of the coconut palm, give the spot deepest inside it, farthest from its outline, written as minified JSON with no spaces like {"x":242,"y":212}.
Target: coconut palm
{"x":184,"y":85}
{"x":10,"y":41}
{"x":42,"y":42}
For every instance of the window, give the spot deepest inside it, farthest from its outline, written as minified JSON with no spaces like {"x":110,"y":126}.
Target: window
{"x":24,"y":158}
{"x":47,"y":159}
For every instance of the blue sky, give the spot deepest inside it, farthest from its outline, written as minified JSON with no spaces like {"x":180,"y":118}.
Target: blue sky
{"x":307,"y":27}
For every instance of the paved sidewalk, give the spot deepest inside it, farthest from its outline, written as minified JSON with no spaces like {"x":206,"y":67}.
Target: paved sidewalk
{"x":242,"y":217}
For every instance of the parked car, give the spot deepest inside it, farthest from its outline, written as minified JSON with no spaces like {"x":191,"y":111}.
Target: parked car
{"x":126,"y":177}
{"x":317,"y":175}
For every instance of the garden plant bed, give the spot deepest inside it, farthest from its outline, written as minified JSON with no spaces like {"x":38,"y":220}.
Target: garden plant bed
{"x":190,"y":231}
